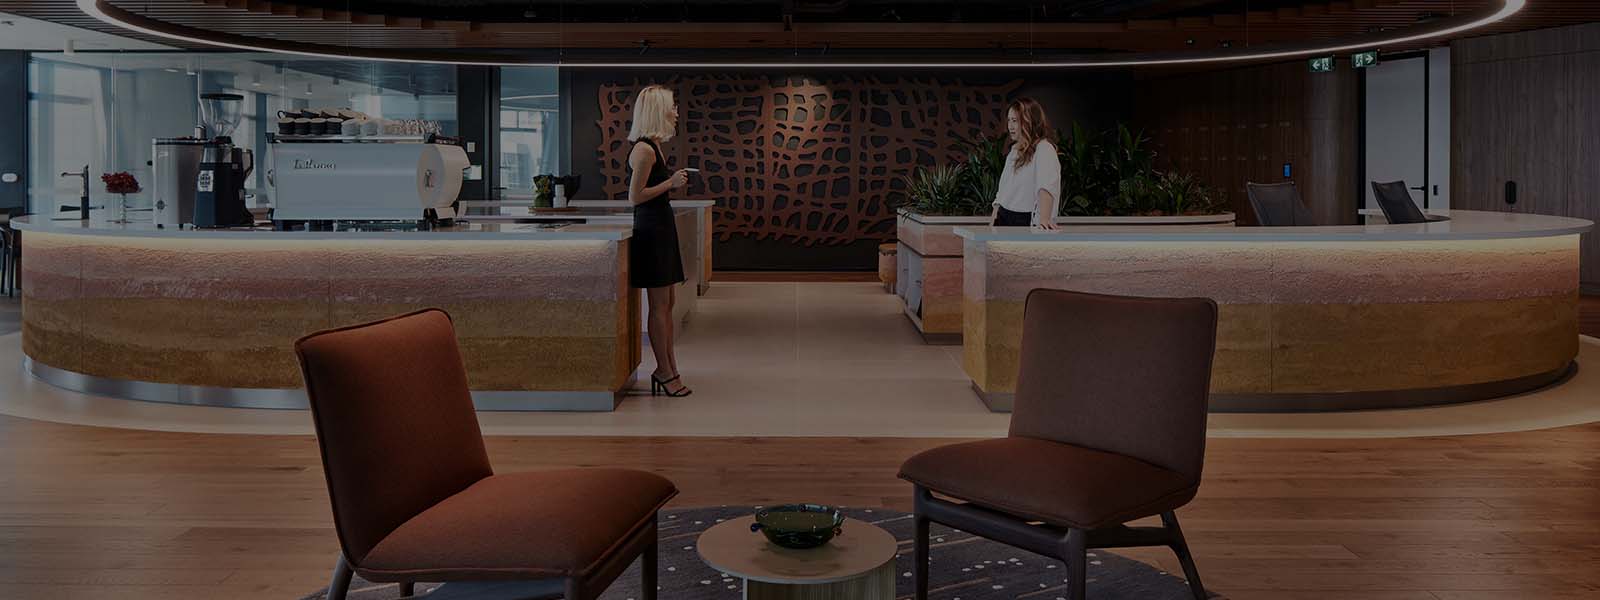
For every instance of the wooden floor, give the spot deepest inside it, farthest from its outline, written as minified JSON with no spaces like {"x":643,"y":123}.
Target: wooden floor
{"x":102,"y":513}
{"x":96,"y":513}
{"x":797,"y":276}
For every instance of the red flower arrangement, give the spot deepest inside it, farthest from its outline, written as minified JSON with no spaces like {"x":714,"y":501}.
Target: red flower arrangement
{"x":120,"y":183}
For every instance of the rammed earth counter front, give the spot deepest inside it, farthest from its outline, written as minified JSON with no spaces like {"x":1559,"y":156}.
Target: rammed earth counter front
{"x":1482,"y":305}
{"x":545,"y":318}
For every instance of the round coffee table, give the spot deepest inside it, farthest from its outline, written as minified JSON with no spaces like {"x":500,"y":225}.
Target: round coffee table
{"x":857,"y":564}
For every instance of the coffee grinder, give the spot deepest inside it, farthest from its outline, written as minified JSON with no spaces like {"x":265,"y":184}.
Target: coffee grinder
{"x":219,"y":187}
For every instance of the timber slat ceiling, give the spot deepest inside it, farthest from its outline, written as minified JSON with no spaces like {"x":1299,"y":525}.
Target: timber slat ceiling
{"x":289,"y":22}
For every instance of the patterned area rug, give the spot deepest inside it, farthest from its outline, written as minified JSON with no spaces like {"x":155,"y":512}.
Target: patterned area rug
{"x":964,"y":567}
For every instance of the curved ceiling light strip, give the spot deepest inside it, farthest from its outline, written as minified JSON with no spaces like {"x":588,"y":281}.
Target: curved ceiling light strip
{"x":105,"y":11}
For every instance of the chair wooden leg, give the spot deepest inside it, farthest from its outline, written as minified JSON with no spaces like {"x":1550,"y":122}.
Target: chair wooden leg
{"x":408,"y":589}
{"x":1075,"y":551}
{"x":921,"y":557}
{"x":1181,"y":548}
{"x":574,"y":590}
{"x":647,"y":572}
{"x":340,"y":586}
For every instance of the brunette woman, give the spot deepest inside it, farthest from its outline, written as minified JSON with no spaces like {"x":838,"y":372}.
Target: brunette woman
{"x":1030,"y":184}
{"x":654,"y":263}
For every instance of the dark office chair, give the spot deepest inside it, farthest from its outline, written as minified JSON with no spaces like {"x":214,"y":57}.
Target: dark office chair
{"x":1278,"y":205}
{"x":414,"y":498}
{"x":1109,"y":426}
{"x":1395,"y":200}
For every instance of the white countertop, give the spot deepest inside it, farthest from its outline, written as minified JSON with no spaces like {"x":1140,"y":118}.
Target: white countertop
{"x":1462,"y":225}
{"x":612,"y":212}
{"x":627,"y":204}
{"x":473,"y":231}
{"x":980,"y":220}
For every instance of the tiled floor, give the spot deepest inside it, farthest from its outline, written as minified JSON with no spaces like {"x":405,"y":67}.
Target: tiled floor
{"x":811,"y":359}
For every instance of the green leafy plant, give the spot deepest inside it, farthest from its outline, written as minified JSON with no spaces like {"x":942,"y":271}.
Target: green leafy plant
{"x":1110,"y":173}
{"x":1183,"y":194}
{"x":1113,"y":174}
{"x":543,"y":190}
{"x":986,"y":162}
{"x":938,"y":190}
{"x":1081,"y":181}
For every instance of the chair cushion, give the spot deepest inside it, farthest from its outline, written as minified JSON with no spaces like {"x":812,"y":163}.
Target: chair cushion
{"x":522,"y":526}
{"x":1047,"y":481}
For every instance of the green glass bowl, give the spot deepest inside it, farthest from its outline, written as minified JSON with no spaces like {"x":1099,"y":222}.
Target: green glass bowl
{"x":799,"y":526}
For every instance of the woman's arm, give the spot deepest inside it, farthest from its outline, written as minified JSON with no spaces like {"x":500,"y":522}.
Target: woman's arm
{"x":643,"y":159}
{"x":1049,"y":183}
{"x":1047,"y":212}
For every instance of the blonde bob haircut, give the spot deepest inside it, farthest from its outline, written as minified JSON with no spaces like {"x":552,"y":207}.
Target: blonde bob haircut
{"x":652,"y":112}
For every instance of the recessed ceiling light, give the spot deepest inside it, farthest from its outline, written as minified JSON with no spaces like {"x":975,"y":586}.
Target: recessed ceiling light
{"x":107,"y":12}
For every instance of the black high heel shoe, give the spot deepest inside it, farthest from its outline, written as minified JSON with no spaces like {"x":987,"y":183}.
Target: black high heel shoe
{"x":659,"y":387}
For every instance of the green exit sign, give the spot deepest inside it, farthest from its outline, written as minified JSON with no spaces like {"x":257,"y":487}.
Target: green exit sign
{"x":1363,"y":60}
{"x":1322,"y":64}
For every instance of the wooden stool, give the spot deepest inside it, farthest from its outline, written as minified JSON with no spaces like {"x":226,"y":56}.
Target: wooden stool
{"x":886,"y":266}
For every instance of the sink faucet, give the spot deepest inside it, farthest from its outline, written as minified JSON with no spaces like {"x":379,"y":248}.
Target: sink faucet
{"x":83,"y":193}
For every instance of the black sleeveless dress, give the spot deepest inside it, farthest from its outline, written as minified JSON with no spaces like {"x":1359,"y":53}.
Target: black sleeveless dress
{"x":653,"y":257}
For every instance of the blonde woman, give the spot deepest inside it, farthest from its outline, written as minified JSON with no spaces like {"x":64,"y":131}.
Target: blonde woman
{"x":1031,"y":182}
{"x":653,"y":260}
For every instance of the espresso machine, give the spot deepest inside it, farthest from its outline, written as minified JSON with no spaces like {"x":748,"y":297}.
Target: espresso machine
{"x":219,"y":184}
{"x":400,"y":181}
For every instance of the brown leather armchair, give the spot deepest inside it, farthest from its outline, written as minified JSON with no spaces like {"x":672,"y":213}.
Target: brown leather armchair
{"x":1109,"y":426}
{"x":414,"y":498}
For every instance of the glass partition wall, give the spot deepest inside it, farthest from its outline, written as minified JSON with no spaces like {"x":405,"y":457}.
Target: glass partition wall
{"x":103,"y":109}
{"x":529,"y":128}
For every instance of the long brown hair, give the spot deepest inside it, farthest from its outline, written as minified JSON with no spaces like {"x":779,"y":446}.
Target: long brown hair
{"x":1032,"y":126}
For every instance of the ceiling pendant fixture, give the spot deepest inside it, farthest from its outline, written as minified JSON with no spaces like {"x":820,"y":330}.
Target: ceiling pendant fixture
{"x":105,"y":11}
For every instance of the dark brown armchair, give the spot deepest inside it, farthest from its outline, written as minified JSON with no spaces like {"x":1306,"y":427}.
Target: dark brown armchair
{"x":1109,"y":427}
{"x":414,"y":498}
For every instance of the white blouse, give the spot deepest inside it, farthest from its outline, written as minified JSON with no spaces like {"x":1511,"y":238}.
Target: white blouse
{"x":1019,"y":188}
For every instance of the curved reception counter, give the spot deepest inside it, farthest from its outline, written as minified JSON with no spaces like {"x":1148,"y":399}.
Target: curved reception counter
{"x":544,"y":315}
{"x":1480,"y":305}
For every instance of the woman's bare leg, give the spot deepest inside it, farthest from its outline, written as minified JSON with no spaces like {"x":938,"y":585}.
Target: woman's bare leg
{"x":672,"y":326}
{"x":660,"y":323}
{"x":660,"y":332}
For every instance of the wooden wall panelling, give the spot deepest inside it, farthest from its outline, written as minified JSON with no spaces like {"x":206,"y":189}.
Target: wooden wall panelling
{"x":1246,"y":94}
{"x":1478,"y":136}
{"x":1538,"y":134}
{"x":1526,"y":107}
{"x":1228,"y":127}
{"x":1251,"y":143}
{"x":1584,"y":160}
{"x":1329,"y":144}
